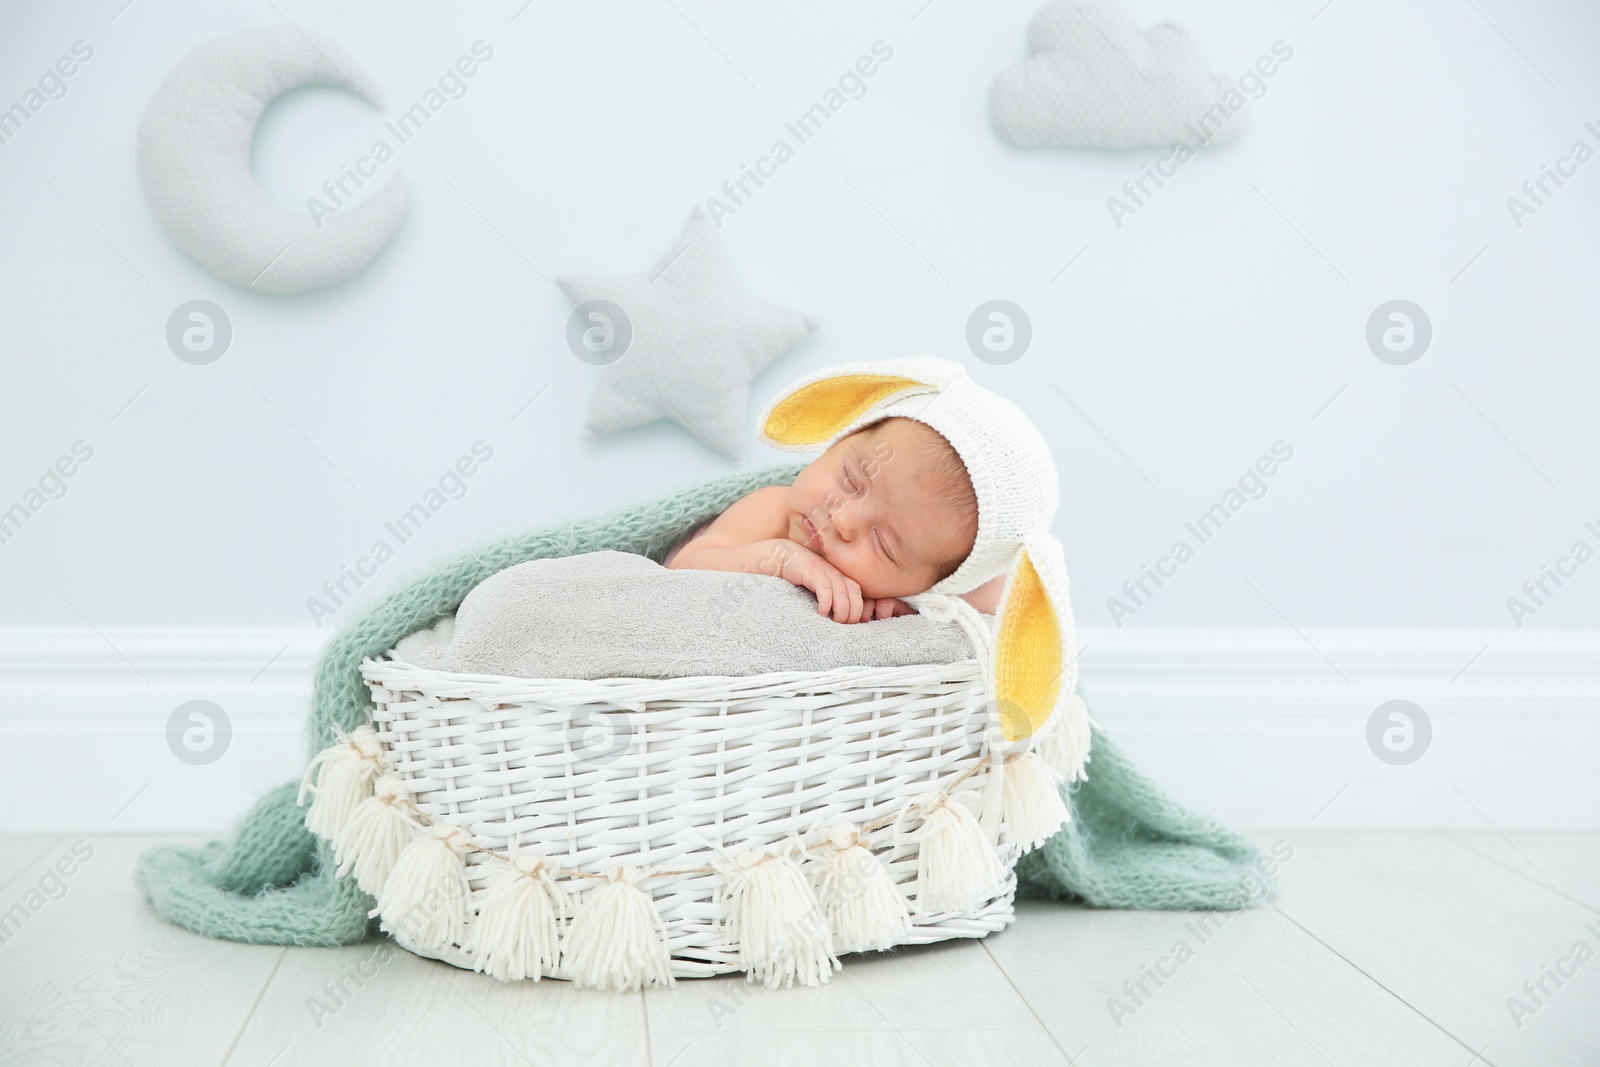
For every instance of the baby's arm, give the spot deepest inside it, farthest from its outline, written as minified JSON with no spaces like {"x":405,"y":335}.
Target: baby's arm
{"x":749,"y":537}
{"x":741,"y":538}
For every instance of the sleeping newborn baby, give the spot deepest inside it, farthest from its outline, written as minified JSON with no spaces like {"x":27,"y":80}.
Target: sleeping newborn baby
{"x":885,"y":513}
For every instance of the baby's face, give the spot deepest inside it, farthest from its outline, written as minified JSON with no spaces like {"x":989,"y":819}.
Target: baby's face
{"x":869,"y":507}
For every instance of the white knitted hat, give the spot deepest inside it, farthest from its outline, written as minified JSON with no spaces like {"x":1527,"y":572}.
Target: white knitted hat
{"x":1029,"y":659}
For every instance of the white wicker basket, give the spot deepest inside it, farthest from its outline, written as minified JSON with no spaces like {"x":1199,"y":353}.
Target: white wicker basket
{"x":658,"y":772}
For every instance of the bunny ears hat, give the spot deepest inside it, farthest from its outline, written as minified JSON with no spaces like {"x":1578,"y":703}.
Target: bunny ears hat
{"x":1029,"y":660}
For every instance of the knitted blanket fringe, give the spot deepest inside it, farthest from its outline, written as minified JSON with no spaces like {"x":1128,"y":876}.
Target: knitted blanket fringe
{"x":1129,"y":845}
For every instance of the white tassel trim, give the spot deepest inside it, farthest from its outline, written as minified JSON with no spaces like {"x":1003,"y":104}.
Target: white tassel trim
{"x":425,"y":898}
{"x":865,"y":910}
{"x":1064,"y":742}
{"x":956,"y":865}
{"x":617,"y":940}
{"x":518,"y":929}
{"x":1031,"y":796}
{"x":775,"y":920}
{"x":371,"y":841}
{"x":344,"y":773}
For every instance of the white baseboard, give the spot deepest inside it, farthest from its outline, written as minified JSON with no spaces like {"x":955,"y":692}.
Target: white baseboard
{"x":1260,"y":727}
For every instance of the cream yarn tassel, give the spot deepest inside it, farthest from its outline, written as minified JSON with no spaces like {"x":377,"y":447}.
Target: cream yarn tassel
{"x":617,"y":940}
{"x":991,"y":805}
{"x":865,"y":910}
{"x":1021,"y":800}
{"x":1031,"y":798}
{"x":956,"y":864}
{"x":774,"y":919}
{"x":1064,"y":742}
{"x":517,"y":932}
{"x":344,"y":772}
{"x":425,"y":898}
{"x":371,"y":840}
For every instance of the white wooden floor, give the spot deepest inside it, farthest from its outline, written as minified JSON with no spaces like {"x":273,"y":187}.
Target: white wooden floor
{"x":1385,"y":948}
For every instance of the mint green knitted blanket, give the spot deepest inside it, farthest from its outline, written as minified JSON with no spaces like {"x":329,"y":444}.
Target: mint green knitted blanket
{"x":1129,"y":845}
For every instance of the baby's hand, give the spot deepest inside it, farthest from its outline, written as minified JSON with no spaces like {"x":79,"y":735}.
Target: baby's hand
{"x":837,"y":594}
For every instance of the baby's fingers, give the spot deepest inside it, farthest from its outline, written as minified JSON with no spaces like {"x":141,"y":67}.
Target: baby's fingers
{"x":841,"y":598}
{"x":857,"y":606}
{"x":824,"y":591}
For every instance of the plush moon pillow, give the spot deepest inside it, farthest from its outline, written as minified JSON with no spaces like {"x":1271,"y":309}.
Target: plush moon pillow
{"x":194,"y":163}
{"x":1094,"y":80}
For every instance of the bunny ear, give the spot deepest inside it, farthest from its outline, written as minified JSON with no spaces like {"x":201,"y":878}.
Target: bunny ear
{"x":1034,"y":657}
{"x":813,"y":413}
{"x":1027,"y":668}
{"x":818,"y":407}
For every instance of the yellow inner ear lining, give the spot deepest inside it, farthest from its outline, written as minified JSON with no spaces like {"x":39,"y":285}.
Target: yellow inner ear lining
{"x":1027,"y":656}
{"x":817,"y":411}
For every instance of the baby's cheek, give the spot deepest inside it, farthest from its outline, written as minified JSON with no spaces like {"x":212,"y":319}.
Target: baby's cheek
{"x":872,"y":583}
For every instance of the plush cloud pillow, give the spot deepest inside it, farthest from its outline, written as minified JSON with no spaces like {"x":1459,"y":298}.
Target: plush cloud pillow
{"x":1094,"y":80}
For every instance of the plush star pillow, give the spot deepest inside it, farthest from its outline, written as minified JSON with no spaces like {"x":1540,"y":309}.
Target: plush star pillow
{"x":693,"y":341}
{"x":1093,"y":79}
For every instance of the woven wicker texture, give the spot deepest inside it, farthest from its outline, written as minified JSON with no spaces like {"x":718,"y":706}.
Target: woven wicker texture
{"x":672,"y":774}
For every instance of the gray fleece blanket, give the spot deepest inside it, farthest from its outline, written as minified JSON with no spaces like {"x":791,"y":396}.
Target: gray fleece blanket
{"x":620,"y":615}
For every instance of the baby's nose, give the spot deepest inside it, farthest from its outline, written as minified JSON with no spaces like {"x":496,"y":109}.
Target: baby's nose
{"x":846,"y":519}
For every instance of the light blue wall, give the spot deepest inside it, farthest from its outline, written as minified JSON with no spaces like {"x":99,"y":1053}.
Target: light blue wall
{"x":1188,"y":341}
